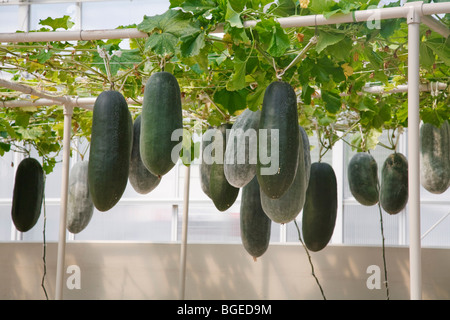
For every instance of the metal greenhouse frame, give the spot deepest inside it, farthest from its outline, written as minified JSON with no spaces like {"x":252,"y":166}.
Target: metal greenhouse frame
{"x":415,"y":14}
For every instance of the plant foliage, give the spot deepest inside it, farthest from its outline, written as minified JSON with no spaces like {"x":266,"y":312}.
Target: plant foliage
{"x":223,"y":67}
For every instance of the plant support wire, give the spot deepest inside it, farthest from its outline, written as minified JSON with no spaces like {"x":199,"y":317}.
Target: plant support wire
{"x":413,"y":12}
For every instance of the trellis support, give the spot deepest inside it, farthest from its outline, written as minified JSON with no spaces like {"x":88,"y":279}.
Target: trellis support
{"x":413,"y":20}
{"x":184,"y":232}
{"x":68,"y":112}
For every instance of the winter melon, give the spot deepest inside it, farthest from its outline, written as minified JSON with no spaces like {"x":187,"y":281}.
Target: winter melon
{"x":141,"y":179}
{"x":278,"y":140}
{"x":222,"y":193}
{"x":435,"y":157}
{"x":394,"y":183}
{"x":28,"y":194}
{"x":362,"y":175}
{"x":206,"y":161}
{"x":80,"y":207}
{"x":320,"y":209}
{"x":161,"y":116}
{"x":241,"y":150}
{"x":255,"y":226}
{"x":288,"y":206}
{"x":110,"y":150}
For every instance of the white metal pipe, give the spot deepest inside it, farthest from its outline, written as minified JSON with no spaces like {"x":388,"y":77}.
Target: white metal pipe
{"x":285,"y":22}
{"x":435,"y":225}
{"x":184,"y":233}
{"x":78,"y":35}
{"x":413,"y":20}
{"x":88,"y":103}
{"x":436,"y":25}
{"x":319,"y":19}
{"x":435,"y":8}
{"x":68,"y":110}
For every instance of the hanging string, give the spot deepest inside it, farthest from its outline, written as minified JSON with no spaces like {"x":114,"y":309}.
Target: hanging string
{"x":44,"y":253}
{"x":106,"y":59}
{"x":383,"y":246}
{"x":300,"y":56}
{"x":310,"y":260}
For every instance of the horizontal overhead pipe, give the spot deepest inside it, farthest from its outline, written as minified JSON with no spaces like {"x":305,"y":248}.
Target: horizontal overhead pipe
{"x":436,"y":25}
{"x":285,"y":22}
{"x":88,"y":103}
{"x":80,"y":35}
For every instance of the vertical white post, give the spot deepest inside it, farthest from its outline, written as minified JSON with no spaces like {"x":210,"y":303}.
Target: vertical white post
{"x":24,"y":17}
{"x":338,"y":166}
{"x":413,"y":20}
{"x":184,"y":233}
{"x":68,"y":111}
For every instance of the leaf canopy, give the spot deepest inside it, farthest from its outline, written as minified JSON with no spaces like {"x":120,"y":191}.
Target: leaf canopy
{"x":222,"y":74}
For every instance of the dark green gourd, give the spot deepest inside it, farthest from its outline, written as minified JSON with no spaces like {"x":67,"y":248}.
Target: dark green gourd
{"x":394,"y":183}
{"x":161,"y":116}
{"x":222,"y":193}
{"x":255,"y":226}
{"x":276,"y":170}
{"x":435,"y":157}
{"x":110,"y":151}
{"x":141,"y":179}
{"x":28,"y":194}
{"x":288,"y":206}
{"x":363,"y":181}
{"x":80,"y":207}
{"x":241,"y":150}
{"x":320,"y":209}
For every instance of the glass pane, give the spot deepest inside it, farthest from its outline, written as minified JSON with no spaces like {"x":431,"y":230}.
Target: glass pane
{"x":54,"y":10}
{"x":119,"y":13}
{"x":362,"y":225}
{"x":207,"y":224}
{"x":130,"y":222}
{"x":51,"y":213}
{"x":291,"y":229}
{"x":435,"y":223}
{"x":9,"y":17}
{"x":7,"y":169}
{"x":5,"y":221}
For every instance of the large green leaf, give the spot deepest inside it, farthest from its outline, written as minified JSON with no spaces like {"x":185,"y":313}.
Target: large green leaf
{"x":191,"y":44}
{"x":58,"y":23}
{"x":327,"y":39}
{"x":272,"y":36}
{"x":232,"y":101}
{"x":332,"y":101}
{"x":237,"y":80}
{"x":233,"y":17}
{"x":165,"y":30}
{"x":195,"y":6}
{"x":324,"y":70}
{"x":441,"y":49}
{"x":120,"y":59}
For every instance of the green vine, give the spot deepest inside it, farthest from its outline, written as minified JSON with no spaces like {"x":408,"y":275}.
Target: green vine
{"x":222,"y":74}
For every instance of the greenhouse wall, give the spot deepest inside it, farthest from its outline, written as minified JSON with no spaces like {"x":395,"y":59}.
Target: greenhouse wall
{"x":121,"y":270}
